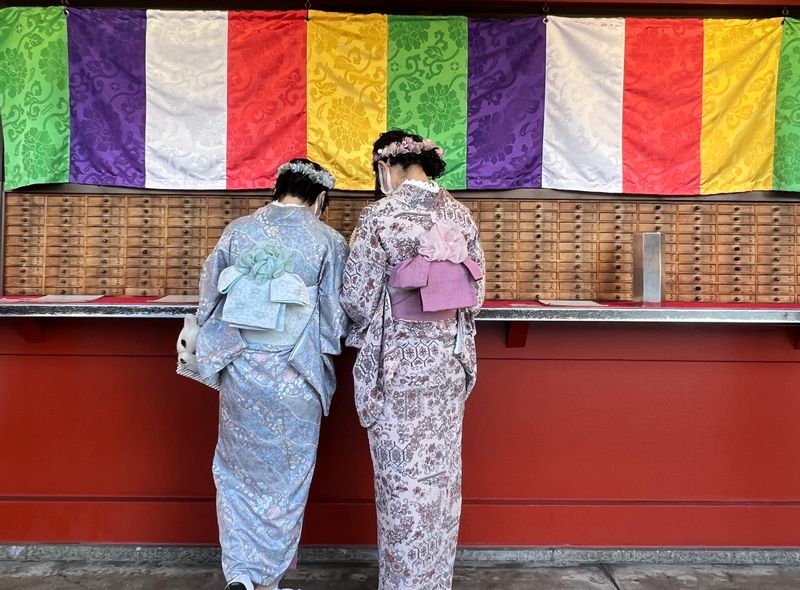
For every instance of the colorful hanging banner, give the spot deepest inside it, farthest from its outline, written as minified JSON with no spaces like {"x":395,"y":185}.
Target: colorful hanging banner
{"x":786,"y":174}
{"x":583,"y":104}
{"x":266,"y":95}
{"x":739,"y":91}
{"x":34,"y":95}
{"x":428,"y":85}
{"x":506,"y":103}
{"x":346,"y":93}
{"x":107,"y":96}
{"x":662,"y":106}
{"x":186,"y":128}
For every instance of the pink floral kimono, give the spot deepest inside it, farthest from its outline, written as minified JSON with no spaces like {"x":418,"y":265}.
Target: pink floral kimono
{"x":414,"y":371}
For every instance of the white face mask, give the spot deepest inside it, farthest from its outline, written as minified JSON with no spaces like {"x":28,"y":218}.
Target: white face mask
{"x":385,"y":179}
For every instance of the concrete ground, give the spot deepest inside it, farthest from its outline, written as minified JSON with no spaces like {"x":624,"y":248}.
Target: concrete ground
{"x":33,"y":575}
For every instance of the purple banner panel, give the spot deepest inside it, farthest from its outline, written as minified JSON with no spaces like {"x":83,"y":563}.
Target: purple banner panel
{"x":506,"y":103}
{"x":107,"y":96}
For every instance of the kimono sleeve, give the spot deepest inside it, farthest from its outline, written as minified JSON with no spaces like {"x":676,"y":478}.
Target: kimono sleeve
{"x":332,"y":318}
{"x":364,"y":278}
{"x":475,"y":252}
{"x":217,"y":261}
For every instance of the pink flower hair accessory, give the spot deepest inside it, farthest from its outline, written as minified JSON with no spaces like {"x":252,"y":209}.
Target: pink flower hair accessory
{"x":407,"y":145}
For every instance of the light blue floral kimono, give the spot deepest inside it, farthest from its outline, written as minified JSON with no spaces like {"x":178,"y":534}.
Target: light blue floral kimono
{"x":272,"y":395}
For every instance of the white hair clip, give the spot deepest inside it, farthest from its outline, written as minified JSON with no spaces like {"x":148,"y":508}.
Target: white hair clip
{"x":322,"y":177}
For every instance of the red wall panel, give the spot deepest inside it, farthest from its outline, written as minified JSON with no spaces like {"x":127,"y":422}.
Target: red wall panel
{"x":615,"y":435}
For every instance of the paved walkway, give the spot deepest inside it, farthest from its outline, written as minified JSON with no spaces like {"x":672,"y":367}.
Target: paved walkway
{"x":127,"y":576}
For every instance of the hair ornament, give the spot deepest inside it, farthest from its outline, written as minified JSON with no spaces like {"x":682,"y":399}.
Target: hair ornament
{"x":322,"y":177}
{"x":407,"y":145}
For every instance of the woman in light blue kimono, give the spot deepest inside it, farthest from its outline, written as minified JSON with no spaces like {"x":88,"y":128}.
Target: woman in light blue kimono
{"x":269,"y":321}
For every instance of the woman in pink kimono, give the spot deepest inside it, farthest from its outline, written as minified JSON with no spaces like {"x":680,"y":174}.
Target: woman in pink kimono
{"x":412,"y":286}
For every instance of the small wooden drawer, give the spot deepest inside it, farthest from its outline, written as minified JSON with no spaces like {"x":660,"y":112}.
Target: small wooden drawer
{"x":153,"y":263}
{"x":501,"y":285}
{"x":108,"y":261}
{"x":537,"y":235}
{"x":775,"y":259}
{"x":546,"y":284}
{"x":785,"y":269}
{"x":744,"y":220}
{"x":730,"y":269}
{"x":538,"y":206}
{"x":776,"y":289}
{"x":618,"y":277}
{"x":147,"y":201}
{"x":188,"y":272}
{"x":736,"y":289}
{"x":96,"y":232}
{"x":113,"y":211}
{"x":776,"y":249}
{"x":104,"y":272}
{"x":736,"y":279}
{"x":736,"y":298}
{"x":25,"y":230}
{"x":762,"y":298}
{"x":24,"y":271}
{"x":616,"y":227}
{"x":696,"y":288}
{"x":538,"y":226}
{"x":495,"y":246}
{"x":539,"y":216}
{"x":23,"y":220}
{"x":605,"y":257}
{"x":144,"y":292}
{"x":537,"y":266}
{"x":509,"y":205}
{"x":145,"y":222}
{"x":153,"y":211}
{"x":697,"y":278}
{"x":64,"y":271}
{"x":733,"y":209}
{"x":23,"y":290}
{"x":72,"y":251}
{"x":578,"y":236}
{"x":537,"y":246}
{"x":190,"y":284}
{"x":506,"y":235}
{"x":187,"y":232}
{"x":188,"y":202}
{"x":23,"y":281}
{"x":783,"y":231}
{"x":176,"y":265}
{"x":501,"y":295}
{"x":495,"y":226}
{"x":64,"y":282}
{"x":106,"y":200}
{"x":29,"y":262}
{"x":117,"y":223}
{"x":107,"y":283}
{"x":499,"y":216}
{"x":183,"y":252}
{"x":571,"y":275}
{"x":579,"y":207}
{"x":65,"y":241}
{"x":13,"y":200}
{"x":196,"y":226}
{"x":103,"y":251}
{"x":735,"y":248}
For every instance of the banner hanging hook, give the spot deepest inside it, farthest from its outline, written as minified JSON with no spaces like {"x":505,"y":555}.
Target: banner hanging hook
{"x":545,"y":10}
{"x":308,"y":10}
{"x":65,"y":4}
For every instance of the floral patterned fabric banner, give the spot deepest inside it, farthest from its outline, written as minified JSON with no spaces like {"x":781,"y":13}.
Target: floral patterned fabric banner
{"x":346,"y":93}
{"x":786,"y":175}
{"x":740,"y":73}
{"x":218,"y":100}
{"x":506,"y":103}
{"x":34,"y":97}
{"x":662,"y":102}
{"x":428,"y":85}
{"x":107,"y":96}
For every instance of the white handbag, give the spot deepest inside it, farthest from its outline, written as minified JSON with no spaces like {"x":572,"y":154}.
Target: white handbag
{"x":187,"y":353}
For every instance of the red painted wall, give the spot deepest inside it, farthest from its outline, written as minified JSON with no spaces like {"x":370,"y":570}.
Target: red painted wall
{"x":591,"y":435}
